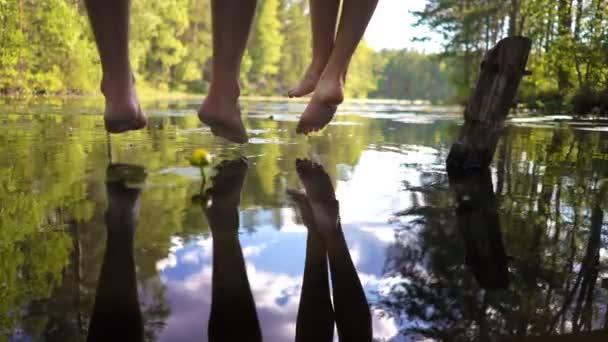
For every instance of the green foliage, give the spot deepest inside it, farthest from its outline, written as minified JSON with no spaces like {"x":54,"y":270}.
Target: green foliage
{"x":45,"y":48}
{"x":265,"y":46}
{"x":569,"y":51}
{"x":412,"y":75}
{"x":48,"y":48}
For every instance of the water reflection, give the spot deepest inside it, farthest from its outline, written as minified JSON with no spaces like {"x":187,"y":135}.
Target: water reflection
{"x":478,"y":223}
{"x":233,"y":314}
{"x":319,"y":211}
{"x":435,"y":272}
{"x":116,"y":314}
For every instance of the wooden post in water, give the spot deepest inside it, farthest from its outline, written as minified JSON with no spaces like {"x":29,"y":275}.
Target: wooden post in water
{"x":501,"y":71}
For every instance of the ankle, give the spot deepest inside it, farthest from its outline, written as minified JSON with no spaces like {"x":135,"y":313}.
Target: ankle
{"x":114,"y":84}
{"x":317,"y":65}
{"x":225,"y":89}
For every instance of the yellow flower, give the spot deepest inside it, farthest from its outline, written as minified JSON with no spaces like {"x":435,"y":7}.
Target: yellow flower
{"x":200,"y":157}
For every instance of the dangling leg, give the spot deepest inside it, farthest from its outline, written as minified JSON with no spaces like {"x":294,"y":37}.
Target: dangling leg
{"x":220,"y":110}
{"x":324,"y":17}
{"x":110,"y":23}
{"x":329,"y":90}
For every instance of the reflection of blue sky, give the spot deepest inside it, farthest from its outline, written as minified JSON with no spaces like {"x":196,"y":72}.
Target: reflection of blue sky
{"x":275,"y":255}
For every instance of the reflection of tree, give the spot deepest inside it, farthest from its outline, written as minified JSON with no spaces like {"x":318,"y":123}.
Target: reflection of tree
{"x":51,"y":186}
{"x":551,"y":214}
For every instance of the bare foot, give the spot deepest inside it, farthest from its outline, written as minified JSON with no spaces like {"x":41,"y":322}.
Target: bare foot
{"x":222,"y":114}
{"x":320,"y":196}
{"x":322,"y":106}
{"x":123,"y":112}
{"x":308,"y":83}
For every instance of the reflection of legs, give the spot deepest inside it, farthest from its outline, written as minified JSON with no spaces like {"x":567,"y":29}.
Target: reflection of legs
{"x":110,"y":22}
{"x":328,"y":91}
{"x":220,"y":110}
{"x":233,"y":314}
{"x":350,"y":305}
{"x":116,"y":314}
{"x":324,"y":15}
{"x":315,"y":315}
{"x":351,"y":308}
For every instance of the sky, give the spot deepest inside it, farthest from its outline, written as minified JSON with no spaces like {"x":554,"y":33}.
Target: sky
{"x":392,"y":27}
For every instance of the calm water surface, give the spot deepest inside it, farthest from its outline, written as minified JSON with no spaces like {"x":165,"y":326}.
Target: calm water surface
{"x":519,"y":251}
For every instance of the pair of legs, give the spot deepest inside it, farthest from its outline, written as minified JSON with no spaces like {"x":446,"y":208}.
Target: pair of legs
{"x":220,"y":110}
{"x":333,"y":45}
{"x":231,"y":25}
{"x":319,"y":211}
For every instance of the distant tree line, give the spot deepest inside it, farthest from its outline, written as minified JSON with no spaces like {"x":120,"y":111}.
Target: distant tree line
{"x":47,"y":48}
{"x":569,"y":58}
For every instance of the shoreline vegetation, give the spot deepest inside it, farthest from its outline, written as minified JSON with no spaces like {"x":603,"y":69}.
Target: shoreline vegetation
{"x":48,"y":49}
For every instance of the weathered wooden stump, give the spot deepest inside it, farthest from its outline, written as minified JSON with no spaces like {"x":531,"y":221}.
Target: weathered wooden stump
{"x":501,"y":71}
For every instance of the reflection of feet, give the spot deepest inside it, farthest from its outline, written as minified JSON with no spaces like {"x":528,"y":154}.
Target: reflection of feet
{"x":223,"y":115}
{"x":123,"y":194}
{"x":224,"y":196}
{"x":322,"y":106}
{"x":320,"y":195}
{"x":308,"y":83}
{"x":123,"y":112}
{"x":301,"y":201}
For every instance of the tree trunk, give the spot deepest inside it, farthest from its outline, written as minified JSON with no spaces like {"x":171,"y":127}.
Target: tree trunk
{"x":513,"y":18}
{"x":501,"y":71}
{"x":564,"y":32}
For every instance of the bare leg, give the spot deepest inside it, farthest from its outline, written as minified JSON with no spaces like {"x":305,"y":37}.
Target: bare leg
{"x":233,"y":314}
{"x":110,"y":23}
{"x":329,"y":90}
{"x":116,"y":313}
{"x":324,"y":17}
{"x":351,"y":309}
{"x":315,"y":320}
{"x":220,"y":110}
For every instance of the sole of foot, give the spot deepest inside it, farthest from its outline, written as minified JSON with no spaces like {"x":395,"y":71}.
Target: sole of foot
{"x":322,"y":107}
{"x":120,"y":123}
{"x":123,"y":112}
{"x":224,"y":122}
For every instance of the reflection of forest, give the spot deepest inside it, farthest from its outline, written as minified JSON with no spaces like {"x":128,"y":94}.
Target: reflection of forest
{"x":52,"y":202}
{"x":550,"y":192}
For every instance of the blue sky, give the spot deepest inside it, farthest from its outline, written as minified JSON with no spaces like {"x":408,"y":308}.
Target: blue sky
{"x":391,"y":27}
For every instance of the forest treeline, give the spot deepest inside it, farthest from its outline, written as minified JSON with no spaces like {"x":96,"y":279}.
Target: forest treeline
{"x":48,"y":48}
{"x":569,"y":57}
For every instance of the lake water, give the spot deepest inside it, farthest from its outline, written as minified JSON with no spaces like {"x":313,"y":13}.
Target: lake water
{"x":516,"y":252}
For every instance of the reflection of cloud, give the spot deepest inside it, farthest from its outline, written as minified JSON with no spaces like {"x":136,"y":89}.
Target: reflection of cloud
{"x":253,"y":250}
{"x":275,"y":258}
{"x":169,"y":262}
{"x":190,"y":258}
